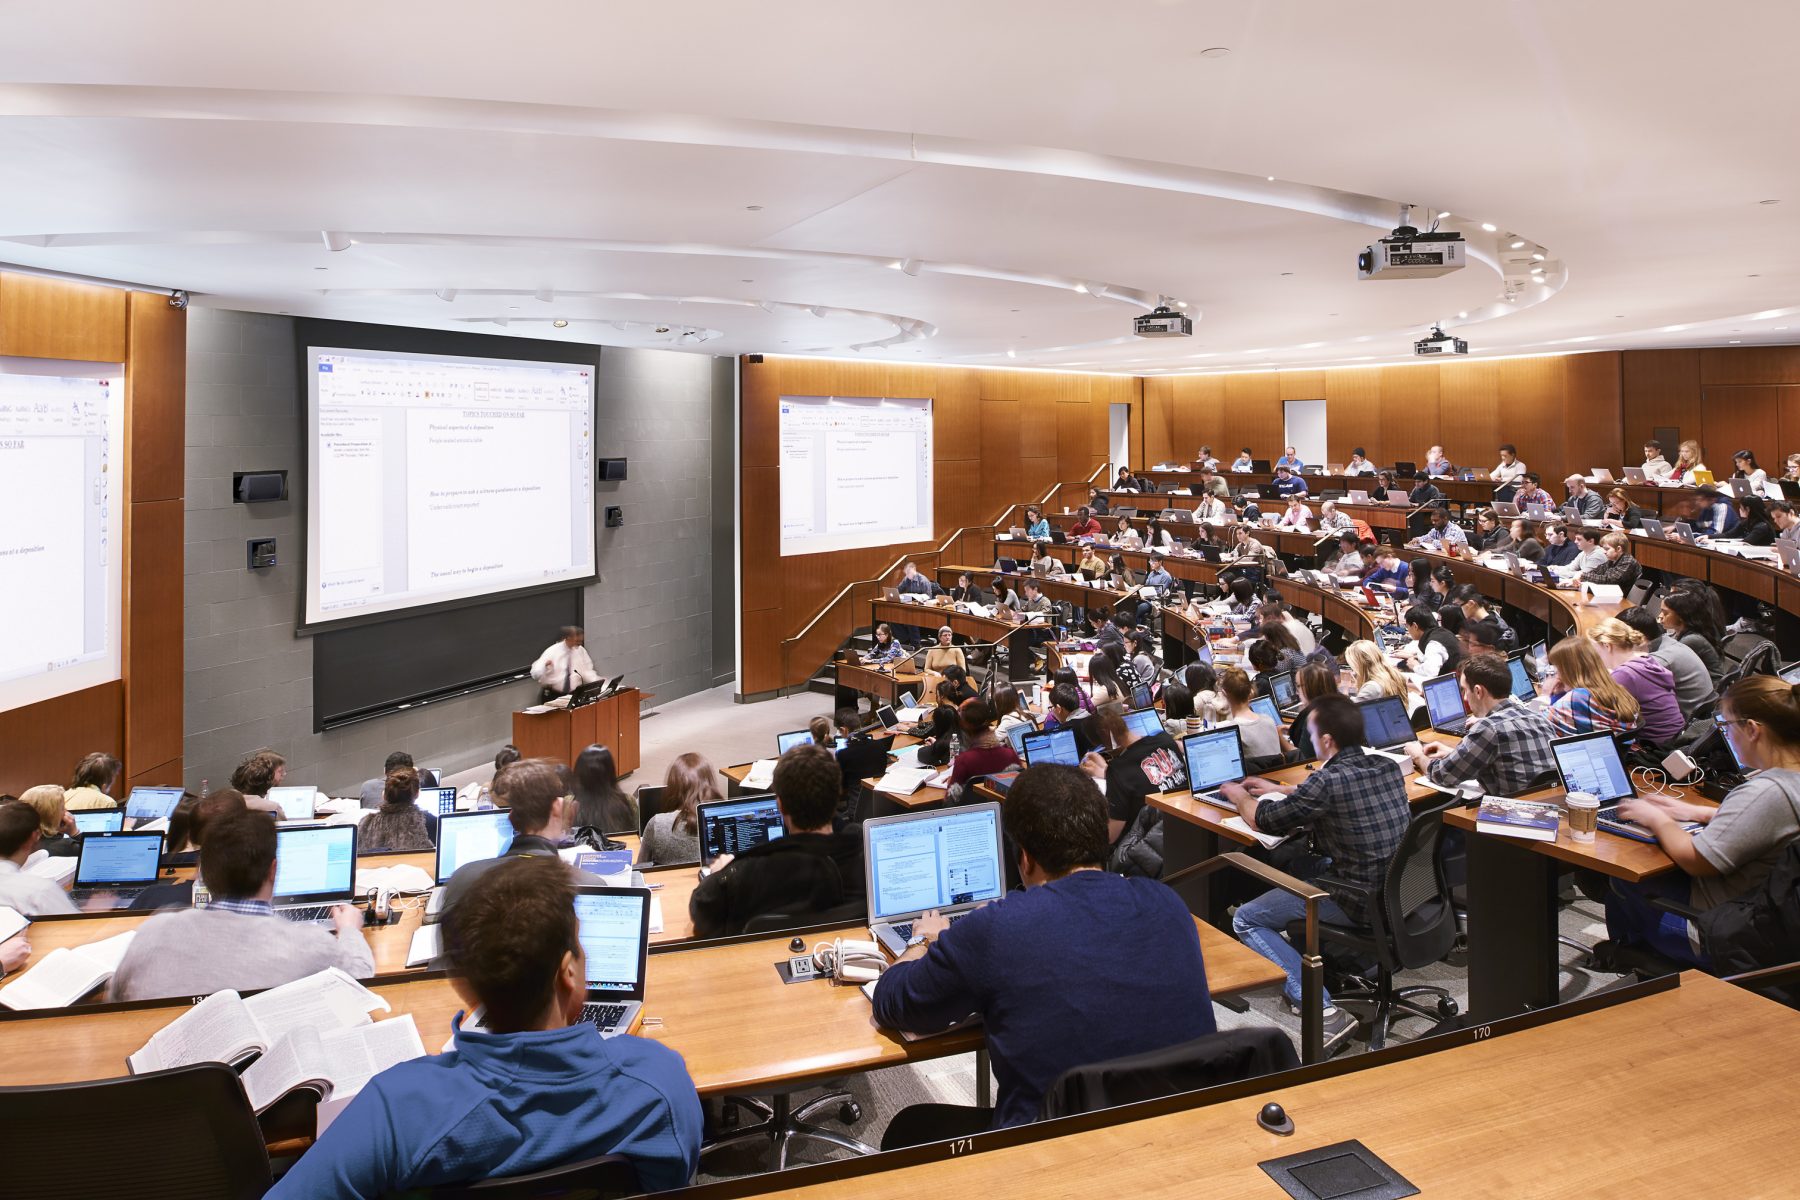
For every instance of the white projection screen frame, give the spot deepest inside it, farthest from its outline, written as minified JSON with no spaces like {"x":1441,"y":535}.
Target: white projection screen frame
{"x":62,"y":479}
{"x":856,"y":471}
{"x":435,"y":478}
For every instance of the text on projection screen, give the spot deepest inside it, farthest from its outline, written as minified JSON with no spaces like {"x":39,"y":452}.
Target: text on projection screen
{"x":436,"y":478}
{"x":61,"y":483}
{"x":856,"y":471}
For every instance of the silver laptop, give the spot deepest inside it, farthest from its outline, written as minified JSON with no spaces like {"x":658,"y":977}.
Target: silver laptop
{"x":438,"y":801}
{"x":315,"y":868}
{"x":1444,"y":702}
{"x":615,"y":944}
{"x":1635,"y":475}
{"x":146,"y":804}
{"x":1214,"y":757}
{"x":464,"y":838}
{"x":99,"y":820}
{"x":117,"y":864}
{"x":948,"y":859}
{"x":296,"y":802}
{"x":1505,"y":508}
{"x":1601,"y":476}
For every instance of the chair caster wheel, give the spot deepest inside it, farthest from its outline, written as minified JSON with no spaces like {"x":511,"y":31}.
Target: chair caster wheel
{"x":1447,"y":1008}
{"x":849,"y":1112}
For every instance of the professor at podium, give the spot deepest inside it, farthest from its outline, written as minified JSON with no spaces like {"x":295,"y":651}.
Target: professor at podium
{"x":565,"y":665}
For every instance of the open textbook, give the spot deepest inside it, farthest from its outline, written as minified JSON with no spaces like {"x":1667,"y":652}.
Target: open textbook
{"x":66,"y":974}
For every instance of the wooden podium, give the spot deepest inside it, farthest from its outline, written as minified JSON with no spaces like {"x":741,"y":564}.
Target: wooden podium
{"x":561,"y":734}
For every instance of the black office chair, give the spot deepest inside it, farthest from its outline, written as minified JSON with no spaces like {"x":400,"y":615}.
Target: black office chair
{"x":604,"y":1178}
{"x":777,"y":1122}
{"x":650,"y":799}
{"x":192,"y":1136}
{"x":1412,"y":923}
{"x":1228,"y":1056}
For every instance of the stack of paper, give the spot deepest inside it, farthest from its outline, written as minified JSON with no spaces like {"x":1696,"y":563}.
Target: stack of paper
{"x":762,"y":773}
{"x":903,"y":781}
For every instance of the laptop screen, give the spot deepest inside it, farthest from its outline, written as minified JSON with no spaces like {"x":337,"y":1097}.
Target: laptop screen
{"x":118,"y":858}
{"x":1213,"y":757}
{"x":1052,"y":746}
{"x":151,"y":803}
{"x":101,"y":820}
{"x":1443,"y":697}
{"x":315,"y":864}
{"x":438,"y":801}
{"x":615,"y":938}
{"x":1016,"y":735}
{"x":733,"y":826}
{"x":1385,"y":722}
{"x":1266,"y":707}
{"x":296,"y":802}
{"x":471,"y":837}
{"x":1281,"y":687}
{"x":933,"y":859}
{"x":885,"y":715}
{"x":1144,"y":722}
{"x":1590,"y":762}
{"x":787,"y":741}
{"x":1522,"y":687}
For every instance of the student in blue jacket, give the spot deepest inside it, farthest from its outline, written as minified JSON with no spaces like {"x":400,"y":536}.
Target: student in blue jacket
{"x":537,"y":1088}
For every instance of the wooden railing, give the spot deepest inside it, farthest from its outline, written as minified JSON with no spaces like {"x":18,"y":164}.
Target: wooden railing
{"x":838,"y":618}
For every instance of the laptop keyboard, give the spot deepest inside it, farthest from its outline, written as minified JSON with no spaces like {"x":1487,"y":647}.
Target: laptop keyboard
{"x":905,"y":928}
{"x":604,"y":1015}
{"x":312,"y":914}
{"x":122,"y":897}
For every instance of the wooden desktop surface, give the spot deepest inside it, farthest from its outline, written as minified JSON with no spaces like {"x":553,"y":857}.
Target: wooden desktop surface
{"x":723,"y":1007}
{"x":1619,"y":857}
{"x":1503,"y":1118}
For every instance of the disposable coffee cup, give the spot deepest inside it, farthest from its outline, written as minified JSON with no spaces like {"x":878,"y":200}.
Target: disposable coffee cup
{"x":1584,"y":815}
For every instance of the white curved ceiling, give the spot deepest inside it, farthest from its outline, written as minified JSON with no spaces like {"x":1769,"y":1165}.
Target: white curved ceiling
{"x":1001,"y":183}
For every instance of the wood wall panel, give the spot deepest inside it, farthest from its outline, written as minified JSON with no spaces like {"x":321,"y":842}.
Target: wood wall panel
{"x":1725,"y":366}
{"x":760,"y":539}
{"x":1592,"y":417}
{"x":1738,"y":418}
{"x":1159,"y":422}
{"x":1300,"y":385}
{"x":1658,"y":388}
{"x":1469,"y":412}
{"x":53,"y":318}
{"x":156,"y":402}
{"x":1352,"y":414}
{"x":153,"y":634}
{"x":1253,"y":413}
{"x":1408,"y":422}
{"x":1789,"y":407}
{"x":1074,"y":439}
{"x":43,"y":741}
{"x":1001,"y":479}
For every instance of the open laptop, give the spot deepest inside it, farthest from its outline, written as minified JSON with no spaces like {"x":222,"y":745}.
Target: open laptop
{"x":1702,"y":478}
{"x":1523,"y":686}
{"x":1016,"y":737}
{"x":1051,"y":746}
{"x":1590,"y":762}
{"x":1283,"y":691}
{"x":1600,"y":476}
{"x":1635,"y":475}
{"x":1406,"y":470}
{"x":1266,"y":707}
{"x":1789,"y":674}
{"x":1144,"y":722}
{"x":119,"y":864}
{"x":438,"y":801}
{"x":315,"y":868}
{"x":465,"y":838}
{"x":1444,"y":702}
{"x":1385,"y":723}
{"x":100,"y":820}
{"x":296,"y":802}
{"x":151,"y":804}
{"x":1262,"y":466}
{"x":787,"y":741}
{"x":733,"y":826}
{"x":948,"y":859}
{"x":1214,"y":757}
{"x":1505,"y":508}
{"x":1654,"y":528}
{"x":1356,"y":496}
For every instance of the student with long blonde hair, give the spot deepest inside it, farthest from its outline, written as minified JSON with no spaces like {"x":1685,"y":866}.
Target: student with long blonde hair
{"x":1585,"y":696}
{"x":1375,"y":677}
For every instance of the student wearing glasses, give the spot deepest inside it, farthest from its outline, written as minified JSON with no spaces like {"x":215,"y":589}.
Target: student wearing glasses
{"x":1738,"y":842}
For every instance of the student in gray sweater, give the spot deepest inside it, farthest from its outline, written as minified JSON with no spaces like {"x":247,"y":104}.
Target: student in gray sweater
{"x":237,"y":941}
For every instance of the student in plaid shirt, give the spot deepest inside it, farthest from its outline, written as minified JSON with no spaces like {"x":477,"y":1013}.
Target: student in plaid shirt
{"x":1355,"y":807}
{"x":1507,"y":745}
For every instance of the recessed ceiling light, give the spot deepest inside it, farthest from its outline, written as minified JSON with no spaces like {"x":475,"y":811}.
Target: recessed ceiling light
{"x":1736,"y":341}
{"x":1215,"y":52}
{"x":1081,"y":287}
{"x":1012,"y":353}
{"x":560,"y":323}
{"x":1181,"y":304}
{"x":894,"y":266}
{"x":1519,"y":245}
{"x":1462,"y":316}
{"x":1487,"y":227}
{"x":1538,"y":257}
{"x":1270,"y":178}
{"x":1618,"y":316}
{"x":1442,"y":215}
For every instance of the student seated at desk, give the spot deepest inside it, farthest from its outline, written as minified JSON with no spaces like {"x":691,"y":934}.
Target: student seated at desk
{"x":399,"y":824}
{"x":1290,"y":459}
{"x":1506,"y":748}
{"x":955,"y":687}
{"x":1127,"y":482}
{"x":1296,"y":515}
{"x":1245,"y":547}
{"x":673,"y":835}
{"x":809,"y":869}
{"x":1476,"y":637}
{"x":1689,"y":459}
{"x":1085,"y":526}
{"x":1532,"y":495}
{"x":189,"y":832}
{"x":1743,"y":466}
{"x":1588,"y":504}
{"x":28,"y":895}
{"x":1003,"y":593}
{"x":536,"y":1087}
{"x":1347,"y":564}
{"x":1359,"y":463}
{"x":1475,"y":608}
{"x":374,"y":791}
{"x":1389,"y":574}
{"x":1066,"y":712}
{"x":1784,"y":521}
{"x":966,"y":591}
{"x":1740,"y":840}
{"x":884,"y":649}
{"x":1488,"y":537}
{"x":1753,"y":528}
{"x":1656,"y":467}
{"x":1205,"y":460}
{"x":1042,"y":562}
{"x":1384,"y":483}
{"x":1620,"y":512}
{"x":237,"y":941}
{"x":1211,"y":486}
{"x":1354,"y":807}
{"x":1333,"y":521}
{"x":1311,"y":682}
{"x":1288,"y":483}
{"x":1097,"y":504}
{"x":540,"y":810}
{"x":1139,"y":767}
{"x":1646,"y":678}
{"x":1244,"y":462}
{"x":1518,"y":532}
{"x":1263,"y":738}
{"x":1037,"y":525}
{"x":946,"y":653}
{"x":1203,"y":684}
{"x":1509,"y":469}
{"x":1423,"y":492}
{"x":1688,"y":616}
{"x":1080,"y":967}
{"x":91,"y":789}
{"x":1443,"y":537}
{"x":57,"y":836}
{"x":1618,"y":567}
{"x":1009,"y":713}
{"x":1584,"y":696}
{"x":1437,"y":463}
{"x":600,"y":803}
{"x":1372,"y":674}
{"x":1125,"y":535}
{"x":984,"y":751}
{"x":1093,"y":563}
{"x":255,"y":775}
{"x":861,"y":758}
{"x":1560,"y":550}
{"x":1433,"y":650}
{"x":1693,"y":683}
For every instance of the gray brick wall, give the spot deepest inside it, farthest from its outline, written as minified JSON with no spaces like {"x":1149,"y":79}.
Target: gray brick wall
{"x":249,"y":679}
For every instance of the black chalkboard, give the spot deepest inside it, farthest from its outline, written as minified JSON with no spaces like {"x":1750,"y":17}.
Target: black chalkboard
{"x":365,"y":671}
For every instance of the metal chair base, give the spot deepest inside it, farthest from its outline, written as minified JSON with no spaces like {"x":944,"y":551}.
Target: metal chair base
{"x":780,"y":1126}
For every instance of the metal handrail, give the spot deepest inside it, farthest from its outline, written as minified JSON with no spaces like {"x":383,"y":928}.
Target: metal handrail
{"x":1312,"y":965}
{"x":787,"y":644}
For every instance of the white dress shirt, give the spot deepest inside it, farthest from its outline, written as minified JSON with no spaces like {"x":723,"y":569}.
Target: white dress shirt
{"x":31,"y":895}
{"x":564,"y":668}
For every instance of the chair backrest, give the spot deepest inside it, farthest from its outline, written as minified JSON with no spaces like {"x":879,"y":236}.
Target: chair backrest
{"x":192,"y":1136}
{"x":650,"y":802}
{"x":849,"y":910}
{"x":1228,"y":1056}
{"x":1420,"y":922}
{"x":612,"y":1175}
{"x":1748,"y":653}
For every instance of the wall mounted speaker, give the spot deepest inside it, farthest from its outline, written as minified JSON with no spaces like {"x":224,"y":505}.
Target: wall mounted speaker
{"x":258,"y":487}
{"x":611,"y":470}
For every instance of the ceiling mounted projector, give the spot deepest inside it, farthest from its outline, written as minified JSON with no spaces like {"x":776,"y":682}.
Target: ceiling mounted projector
{"x":1408,"y":254}
{"x":1440,"y":342}
{"x":1162,"y":321}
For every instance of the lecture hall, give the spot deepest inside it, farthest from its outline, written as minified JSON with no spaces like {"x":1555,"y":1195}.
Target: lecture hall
{"x":1008,"y":599}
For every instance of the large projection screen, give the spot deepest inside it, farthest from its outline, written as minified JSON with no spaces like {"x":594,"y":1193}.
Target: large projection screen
{"x":855,"y":472}
{"x":434,"y":478}
{"x":62,"y":456}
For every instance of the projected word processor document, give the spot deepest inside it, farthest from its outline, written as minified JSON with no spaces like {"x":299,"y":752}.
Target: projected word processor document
{"x":855,"y":472}
{"x":437,"y":478}
{"x":61,"y":460}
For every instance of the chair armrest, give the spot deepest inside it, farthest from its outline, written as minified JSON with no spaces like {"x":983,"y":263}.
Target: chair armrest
{"x":1675,"y":906}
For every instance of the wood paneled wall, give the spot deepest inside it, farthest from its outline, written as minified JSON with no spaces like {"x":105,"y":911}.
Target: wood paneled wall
{"x":1562,"y":412}
{"x":138,"y":717}
{"x":1730,"y":398}
{"x":1001,"y":437}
